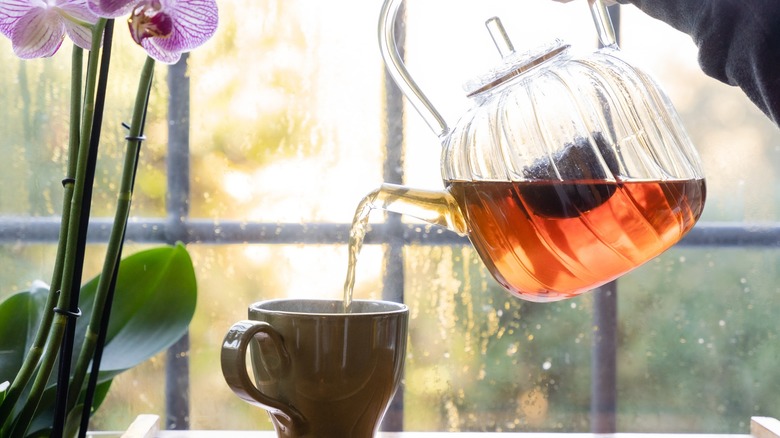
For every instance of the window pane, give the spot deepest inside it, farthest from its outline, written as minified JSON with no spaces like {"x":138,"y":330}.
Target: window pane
{"x":698,"y":341}
{"x":34,"y":131}
{"x":481,"y":360}
{"x":34,"y":137}
{"x":286,"y":112}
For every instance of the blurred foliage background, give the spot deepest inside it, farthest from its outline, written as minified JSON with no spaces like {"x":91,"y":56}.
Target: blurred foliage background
{"x":287,"y":126}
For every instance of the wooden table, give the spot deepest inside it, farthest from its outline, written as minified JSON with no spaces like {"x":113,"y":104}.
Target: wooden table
{"x":148,"y":426}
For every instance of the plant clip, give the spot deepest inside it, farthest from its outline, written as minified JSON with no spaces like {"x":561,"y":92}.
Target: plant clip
{"x":68,"y":313}
{"x":68,"y":180}
{"x":138,"y":138}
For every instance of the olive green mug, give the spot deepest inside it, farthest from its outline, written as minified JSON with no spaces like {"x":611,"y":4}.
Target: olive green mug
{"x":319,"y":372}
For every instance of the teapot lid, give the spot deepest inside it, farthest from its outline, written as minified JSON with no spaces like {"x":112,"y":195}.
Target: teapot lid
{"x":512,"y":63}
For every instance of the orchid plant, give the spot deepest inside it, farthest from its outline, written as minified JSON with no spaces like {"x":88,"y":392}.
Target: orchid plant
{"x":152,"y":292}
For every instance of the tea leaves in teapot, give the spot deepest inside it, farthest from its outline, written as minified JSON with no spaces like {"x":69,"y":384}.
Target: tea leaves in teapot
{"x":567,"y":199}
{"x":578,"y":178}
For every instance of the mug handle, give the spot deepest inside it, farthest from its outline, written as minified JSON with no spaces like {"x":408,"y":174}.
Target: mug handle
{"x":233,"y":359}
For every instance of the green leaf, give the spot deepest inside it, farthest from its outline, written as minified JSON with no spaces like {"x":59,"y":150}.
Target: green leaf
{"x":20,"y":315}
{"x":44,"y":418}
{"x":154,"y":302}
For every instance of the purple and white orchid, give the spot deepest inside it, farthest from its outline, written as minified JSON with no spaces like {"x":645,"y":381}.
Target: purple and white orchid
{"x":164,"y":28}
{"x":37,"y":28}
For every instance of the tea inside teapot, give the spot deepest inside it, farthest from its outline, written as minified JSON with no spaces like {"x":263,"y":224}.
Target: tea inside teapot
{"x":550,"y":240}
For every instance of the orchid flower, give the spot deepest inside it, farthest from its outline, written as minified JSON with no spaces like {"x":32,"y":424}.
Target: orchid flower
{"x":164,"y":28}
{"x":37,"y":28}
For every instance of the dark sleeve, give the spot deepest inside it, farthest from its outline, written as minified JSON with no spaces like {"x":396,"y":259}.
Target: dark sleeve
{"x":738,"y":41}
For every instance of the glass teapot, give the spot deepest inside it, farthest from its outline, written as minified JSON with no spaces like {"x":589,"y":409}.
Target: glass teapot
{"x":566,"y":172}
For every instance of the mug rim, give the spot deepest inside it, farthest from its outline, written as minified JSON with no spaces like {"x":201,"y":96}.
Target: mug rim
{"x":389,"y":307}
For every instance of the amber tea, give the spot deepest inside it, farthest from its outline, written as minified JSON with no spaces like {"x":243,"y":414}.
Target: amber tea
{"x":356,"y":235}
{"x":546,"y":241}
{"x":437,"y":207}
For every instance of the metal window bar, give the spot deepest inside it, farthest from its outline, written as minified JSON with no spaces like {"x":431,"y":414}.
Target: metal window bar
{"x":392,"y":171}
{"x":394,"y":234}
{"x":177,"y":201}
{"x":206,"y":232}
{"x":603,"y":363}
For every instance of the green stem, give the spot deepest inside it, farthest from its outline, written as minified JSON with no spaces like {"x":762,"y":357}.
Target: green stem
{"x":116,"y":238}
{"x":59,"y":320}
{"x":33,"y":357}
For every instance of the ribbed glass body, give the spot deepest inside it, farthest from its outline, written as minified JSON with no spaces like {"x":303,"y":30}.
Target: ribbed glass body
{"x":569,"y":118}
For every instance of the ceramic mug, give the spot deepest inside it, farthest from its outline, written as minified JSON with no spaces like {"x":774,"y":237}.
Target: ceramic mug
{"x":319,"y":372}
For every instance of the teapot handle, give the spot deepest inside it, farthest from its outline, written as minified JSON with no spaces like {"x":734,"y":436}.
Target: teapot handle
{"x":603,"y":23}
{"x":412,"y":91}
{"x":400,"y":74}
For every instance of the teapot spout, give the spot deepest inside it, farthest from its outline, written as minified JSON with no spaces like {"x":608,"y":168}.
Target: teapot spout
{"x":436,"y":207}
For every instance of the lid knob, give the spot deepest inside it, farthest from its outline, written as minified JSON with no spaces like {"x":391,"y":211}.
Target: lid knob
{"x":500,"y":37}
{"x":512,"y":63}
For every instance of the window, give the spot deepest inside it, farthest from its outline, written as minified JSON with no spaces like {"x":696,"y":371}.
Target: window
{"x":289,"y":125}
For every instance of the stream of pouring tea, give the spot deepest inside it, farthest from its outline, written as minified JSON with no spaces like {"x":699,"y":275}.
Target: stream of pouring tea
{"x":356,"y":235}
